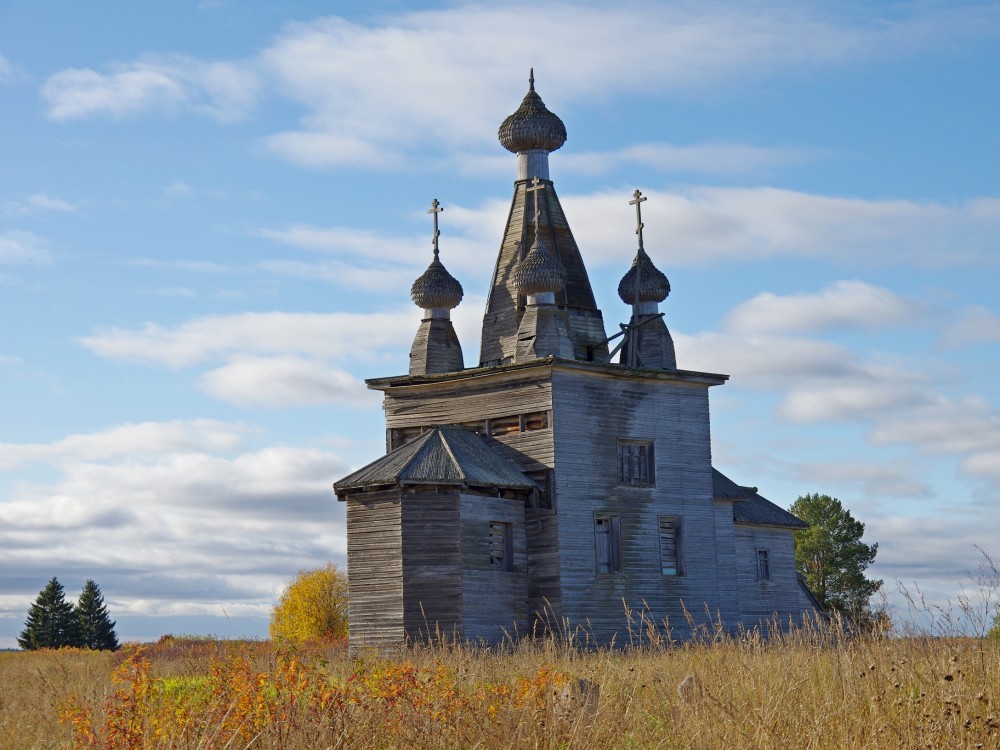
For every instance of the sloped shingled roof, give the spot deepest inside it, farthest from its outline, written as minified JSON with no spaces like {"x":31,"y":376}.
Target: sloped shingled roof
{"x":442,"y":455}
{"x":751,"y":507}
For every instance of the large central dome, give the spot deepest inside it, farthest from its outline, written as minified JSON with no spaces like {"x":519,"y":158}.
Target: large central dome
{"x":532,"y":127}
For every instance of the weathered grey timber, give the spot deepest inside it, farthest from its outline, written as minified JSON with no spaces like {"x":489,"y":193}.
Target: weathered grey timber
{"x":548,"y":485}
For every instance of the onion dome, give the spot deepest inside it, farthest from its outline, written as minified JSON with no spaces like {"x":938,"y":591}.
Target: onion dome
{"x":532,"y":126}
{"x":538,"y":272}
{"x":436,"y":288}
{"x":653,"y":284}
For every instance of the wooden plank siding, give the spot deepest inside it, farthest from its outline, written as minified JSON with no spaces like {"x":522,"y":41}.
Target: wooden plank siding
{"x":779,"y":597}
{"x":590,"y":413}
{"x":375,"y":570}
{"x":432,"y":565}
{"x":495,"y":602}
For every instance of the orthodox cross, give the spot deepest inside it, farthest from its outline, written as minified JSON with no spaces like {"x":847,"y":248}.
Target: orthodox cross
{"x":435,"y":209}
{"x":632,"y":336}
{"x":537,"y":186}
{"x":637,"y":199}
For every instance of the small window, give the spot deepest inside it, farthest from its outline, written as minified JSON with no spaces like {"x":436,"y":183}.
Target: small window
{"x":670,"y":546}
{"x":501,"y":546}
{"x":607,"y":542}
{"x":763,"y":565}
{"x":635,"y":462}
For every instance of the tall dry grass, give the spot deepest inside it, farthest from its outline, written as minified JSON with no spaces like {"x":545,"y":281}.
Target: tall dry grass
{"x":811,"y":688}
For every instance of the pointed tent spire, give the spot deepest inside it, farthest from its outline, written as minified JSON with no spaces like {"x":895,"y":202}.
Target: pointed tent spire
{"x":539,"y":272}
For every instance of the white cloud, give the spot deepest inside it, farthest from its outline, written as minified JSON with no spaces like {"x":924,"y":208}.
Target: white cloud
{"x":437,"y":70}
{"x":224,"y":91}
{"x":217,"y":337}
{"x":718,"y":158}
{"x":177,"y":527}
{"x":699,"y":226}
{"x":18,"y":247}
{"x":36,"y":203}
{"x":284,"y":381}
{"x":977,"y":325}
{"x":128,"y":440}
{"x":844,"y":304}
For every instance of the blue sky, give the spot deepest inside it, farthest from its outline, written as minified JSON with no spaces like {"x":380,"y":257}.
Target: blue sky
{"x":211,"y":213}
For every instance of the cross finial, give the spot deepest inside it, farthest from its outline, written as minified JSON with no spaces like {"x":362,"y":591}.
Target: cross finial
{"x":531,"y":80}
{"x":637,"y":199}
{"x":536,"y":187}
{"x":435,"y":209}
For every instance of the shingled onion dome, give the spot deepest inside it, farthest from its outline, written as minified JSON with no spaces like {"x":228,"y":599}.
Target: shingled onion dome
{"x":538,"y":272}
{"x":436,"y":288}
{"x":436,"y":347}
{"x":532,"y":127}
{"x":648,"y":343}
{"x":653,"y":284}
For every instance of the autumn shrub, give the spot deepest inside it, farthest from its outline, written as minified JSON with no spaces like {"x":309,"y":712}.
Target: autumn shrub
{"x":312,"y":607}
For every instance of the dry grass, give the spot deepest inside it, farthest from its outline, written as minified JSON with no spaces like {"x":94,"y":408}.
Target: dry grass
{"x":804,"y":690}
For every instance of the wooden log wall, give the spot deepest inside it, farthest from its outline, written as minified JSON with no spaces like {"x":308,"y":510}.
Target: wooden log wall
{"x":779,"y":596}
{"x":495,"y":601}
{"x":432,"y":564}
{"x":590,"y":412}
{"x":375,"y":570}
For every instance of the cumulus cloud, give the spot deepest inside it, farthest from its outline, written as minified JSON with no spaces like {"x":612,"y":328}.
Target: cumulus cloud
{"x":844,"y":304}
{"x":283,"y":381}
{"x":224,"y":91}
{"x":190,"y":522}
{"x":216,"y":337}
{"x":437,"y":71}
{"x":698,"y":226}
{"x":18,"y":248}
{"x":36,"y":203}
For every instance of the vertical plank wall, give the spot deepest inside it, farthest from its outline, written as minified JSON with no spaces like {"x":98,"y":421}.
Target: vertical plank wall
{"x":375,"y":570}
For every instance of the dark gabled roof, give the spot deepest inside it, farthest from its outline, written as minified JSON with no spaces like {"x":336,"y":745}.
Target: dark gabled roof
{"x":725,"y":488}
{"x":442,"y":455}
{"x":751,"y":507}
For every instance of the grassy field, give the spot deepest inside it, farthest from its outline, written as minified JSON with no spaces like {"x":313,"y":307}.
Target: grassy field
{"x":805,"y":690}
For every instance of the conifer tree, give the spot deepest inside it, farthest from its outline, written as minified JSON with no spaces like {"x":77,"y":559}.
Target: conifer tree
{"x":52,"y":621}
{"x":97,"y":629}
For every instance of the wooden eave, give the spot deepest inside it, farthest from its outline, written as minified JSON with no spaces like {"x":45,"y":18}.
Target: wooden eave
{"x":539,"y":369}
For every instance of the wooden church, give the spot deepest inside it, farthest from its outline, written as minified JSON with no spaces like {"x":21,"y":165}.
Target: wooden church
{"x":549,"y":485}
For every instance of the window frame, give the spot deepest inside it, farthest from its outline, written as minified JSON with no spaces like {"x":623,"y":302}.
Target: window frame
{"x":636,"y":458}
{"x":676,"y":522}
{"x":505,"y":561}
{"x":763,"y":571}
{"x":607,"y":537}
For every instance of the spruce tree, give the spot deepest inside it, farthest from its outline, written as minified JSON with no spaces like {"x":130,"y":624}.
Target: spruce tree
{"x":97,"y":629}
{"x":52,"y":621}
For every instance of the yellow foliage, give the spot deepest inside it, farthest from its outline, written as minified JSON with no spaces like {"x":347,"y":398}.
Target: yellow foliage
{"x":313,"y":606}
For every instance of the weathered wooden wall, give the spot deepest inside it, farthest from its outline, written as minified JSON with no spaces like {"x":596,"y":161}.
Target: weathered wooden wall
{"x":760,"y":601}
{"x":590,"y":412}
{"x":495,"y":601}
{"x":432,"y":564}
{"x":375,"y":570}
{"x":501,"y":399}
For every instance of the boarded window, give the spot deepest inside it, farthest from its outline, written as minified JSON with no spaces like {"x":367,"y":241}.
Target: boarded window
{"x":607,"y":543}
{"x":763,"y":565}
{"x":670,"y":546}
{"x":505,"y":425}
{"x":501,"y":546}
{"x":635,"y":462}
